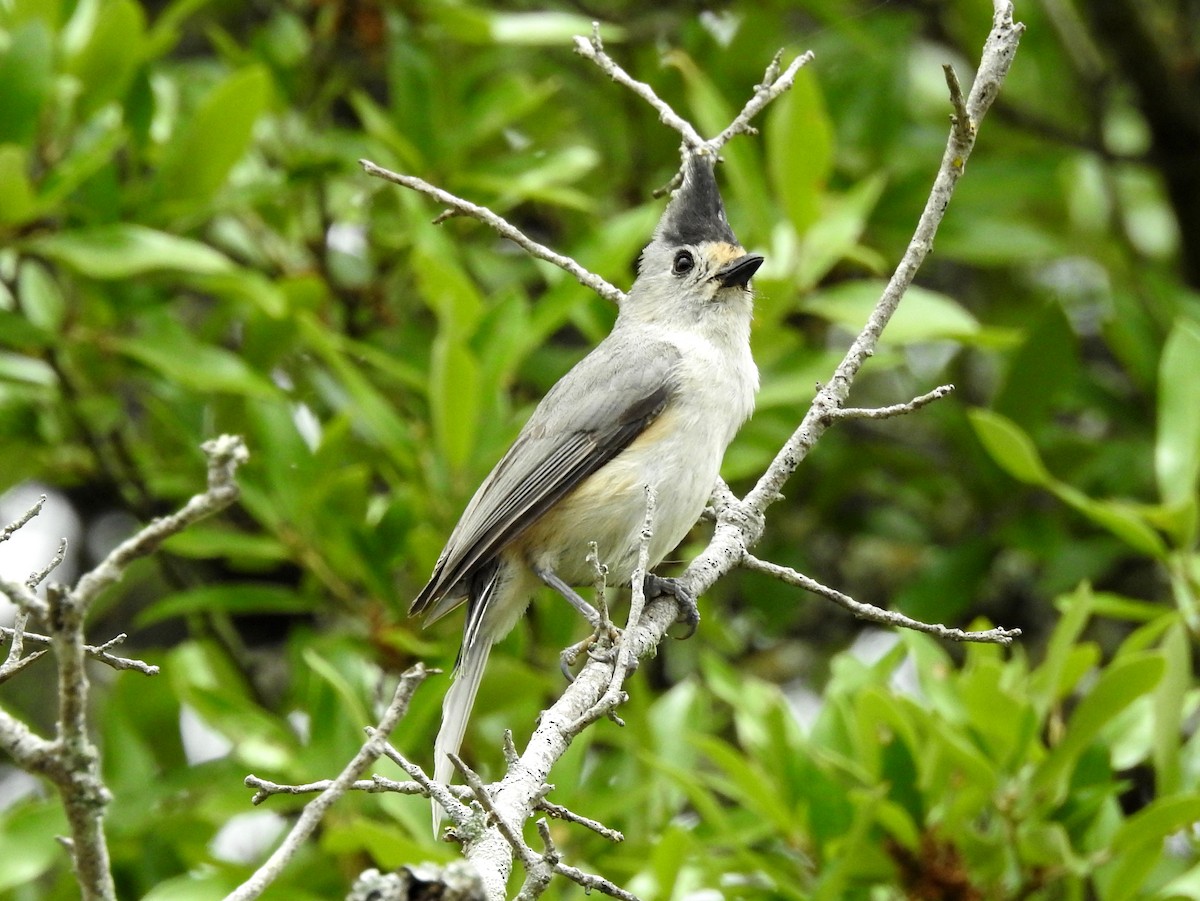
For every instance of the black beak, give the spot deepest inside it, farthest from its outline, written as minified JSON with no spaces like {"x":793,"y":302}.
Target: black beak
{"x":738,"y":273}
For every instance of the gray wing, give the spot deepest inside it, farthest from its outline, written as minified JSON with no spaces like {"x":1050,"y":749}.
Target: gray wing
{"x":590,"y":416}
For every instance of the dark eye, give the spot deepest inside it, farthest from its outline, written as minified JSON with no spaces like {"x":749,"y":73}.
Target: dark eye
{"x":684,"y":261}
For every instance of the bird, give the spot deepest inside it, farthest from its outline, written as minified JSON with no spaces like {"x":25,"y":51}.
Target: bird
{"x":653,"y":406}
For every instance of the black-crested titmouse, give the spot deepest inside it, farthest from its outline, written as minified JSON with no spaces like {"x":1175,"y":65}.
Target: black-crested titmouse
{"x":655,"y":404}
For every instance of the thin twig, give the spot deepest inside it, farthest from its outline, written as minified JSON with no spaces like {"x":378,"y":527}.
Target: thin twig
{"x":225,"y":455}
{"x":593,"y":883}
{"x":315,"y":810}
{"x":614,"y":695}
{"x":569,"y":816}
{"x":482,"y":794}
{"x":38,"y":577}
{"x":375,"y":785}
{"x":592,"y":48}
{"x":773,"y":84}
{"x":998,"y":53}
{"x":13,"y":527}
{"x":895,"y":409}
{"x":23,"y":597}
{"x":96,"y":652}
{"x":503,"y":227}
{"x":872,"y":613}
{"x":444,"y":795}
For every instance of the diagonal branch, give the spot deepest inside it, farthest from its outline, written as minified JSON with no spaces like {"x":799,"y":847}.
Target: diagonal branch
{"x":502,"y":226}
{"x":315,"y":810}
{"x":740,"y":524}
{"x":592,"y":48}
{"x":773,"y":84}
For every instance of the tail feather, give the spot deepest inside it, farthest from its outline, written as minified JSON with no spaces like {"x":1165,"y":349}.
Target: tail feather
{"x":456,"y":709}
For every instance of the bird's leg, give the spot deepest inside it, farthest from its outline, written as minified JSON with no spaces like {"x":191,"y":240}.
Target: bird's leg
{"x":601,"y":626}
{"x":689,"y":612}
{"x":550,"y":577}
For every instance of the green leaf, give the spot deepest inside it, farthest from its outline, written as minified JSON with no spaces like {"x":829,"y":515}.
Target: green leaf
{"x":1123,"y":682}
{"x":27,"y":833}
{"x":104,"y":43}
{"x":454,"y":398}
{"x":1045,"y":364}
{"x":215,"y":136}
{"x":1121,"y":518}
{"x":42,"y":299}
{"x":26,"y":73}
{"x":166,"y":348}
{"x":1185,"y":886}
{"x":835,"y":235}
{"x":230,"y":598}
{"x":202,"y":543}
{"x":1010,"y":447}
{"x":923,"y":315}
{"x":351,"y":701}
{"x":799,"y":142}
{"x":1138,"y":844}
{"x":1177,"y":449}
{"x":17,"y":201}
{"x":124,"y":250}
{"x":1047,"y":684}
{"x":1169,"y":707}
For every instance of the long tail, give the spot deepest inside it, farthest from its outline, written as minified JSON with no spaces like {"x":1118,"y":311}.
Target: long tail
{"x":456,"y":709}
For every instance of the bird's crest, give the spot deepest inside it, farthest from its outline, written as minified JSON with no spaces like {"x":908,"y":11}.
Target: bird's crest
{"x":695,"y":213}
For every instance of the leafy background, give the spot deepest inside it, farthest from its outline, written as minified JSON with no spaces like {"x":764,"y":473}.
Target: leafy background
{"x":188,"y":247}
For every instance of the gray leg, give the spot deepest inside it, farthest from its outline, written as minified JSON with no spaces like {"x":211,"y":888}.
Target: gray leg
{"x":689,"y":612}
{"x":573,"y":598}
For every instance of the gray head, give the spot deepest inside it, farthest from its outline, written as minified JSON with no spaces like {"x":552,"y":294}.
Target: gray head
{"x":694,"y":258}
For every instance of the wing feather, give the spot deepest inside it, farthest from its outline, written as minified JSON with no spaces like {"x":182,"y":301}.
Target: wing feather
{"x":589,"y":417}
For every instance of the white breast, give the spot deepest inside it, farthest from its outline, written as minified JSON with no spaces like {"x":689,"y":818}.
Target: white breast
{"x":679,"y":456}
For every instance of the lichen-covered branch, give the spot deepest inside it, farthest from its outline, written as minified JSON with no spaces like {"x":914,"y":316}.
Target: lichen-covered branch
{"x":70,"y":760}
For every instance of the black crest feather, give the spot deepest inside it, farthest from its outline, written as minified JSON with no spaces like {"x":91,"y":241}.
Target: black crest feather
{"x":695,"y":213}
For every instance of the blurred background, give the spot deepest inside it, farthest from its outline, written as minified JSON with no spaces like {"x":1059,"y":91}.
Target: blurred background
{"x":188,"y":247}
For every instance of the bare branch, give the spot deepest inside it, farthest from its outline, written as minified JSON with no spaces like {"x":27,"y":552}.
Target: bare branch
{"x":28,"y":750}
{"x":872,"y":613}
{"x":225,"y":455}
{"x":37,"y":578}
{"x":773,"y":84}
{"x":315,"y":810}
{"x":71,"y":761}
{"x":375,"y":785}
{"x":16,"y":650}
{"x":13,"y":527}
{"x":23,"y":597}
{"x":537,"y":873}
{"x":998,"y":52}
{"x":569,"y":816}
{"x":895,"y":409}
{"x":96,"y":652}
{"x":593,"y":883}
{"x":502,"y":226}
{"x":740,"y":525}
{"x":593,"y":48}
{"x":458,"y":812}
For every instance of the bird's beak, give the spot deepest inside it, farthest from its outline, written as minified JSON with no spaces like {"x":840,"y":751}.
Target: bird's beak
{"x":737,"y":274}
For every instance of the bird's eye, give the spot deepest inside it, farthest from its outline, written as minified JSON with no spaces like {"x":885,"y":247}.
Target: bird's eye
{"x":684,"y":261}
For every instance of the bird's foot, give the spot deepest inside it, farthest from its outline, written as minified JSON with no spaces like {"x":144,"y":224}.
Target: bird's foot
{"x":689,"y":612}
{"x":597,"y":646}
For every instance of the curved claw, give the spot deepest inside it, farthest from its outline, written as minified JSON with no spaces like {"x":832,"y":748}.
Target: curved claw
{"x":689,"y":612}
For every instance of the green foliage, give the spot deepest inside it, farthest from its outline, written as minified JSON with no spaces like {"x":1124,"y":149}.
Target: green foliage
{"x":187,"y":247}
